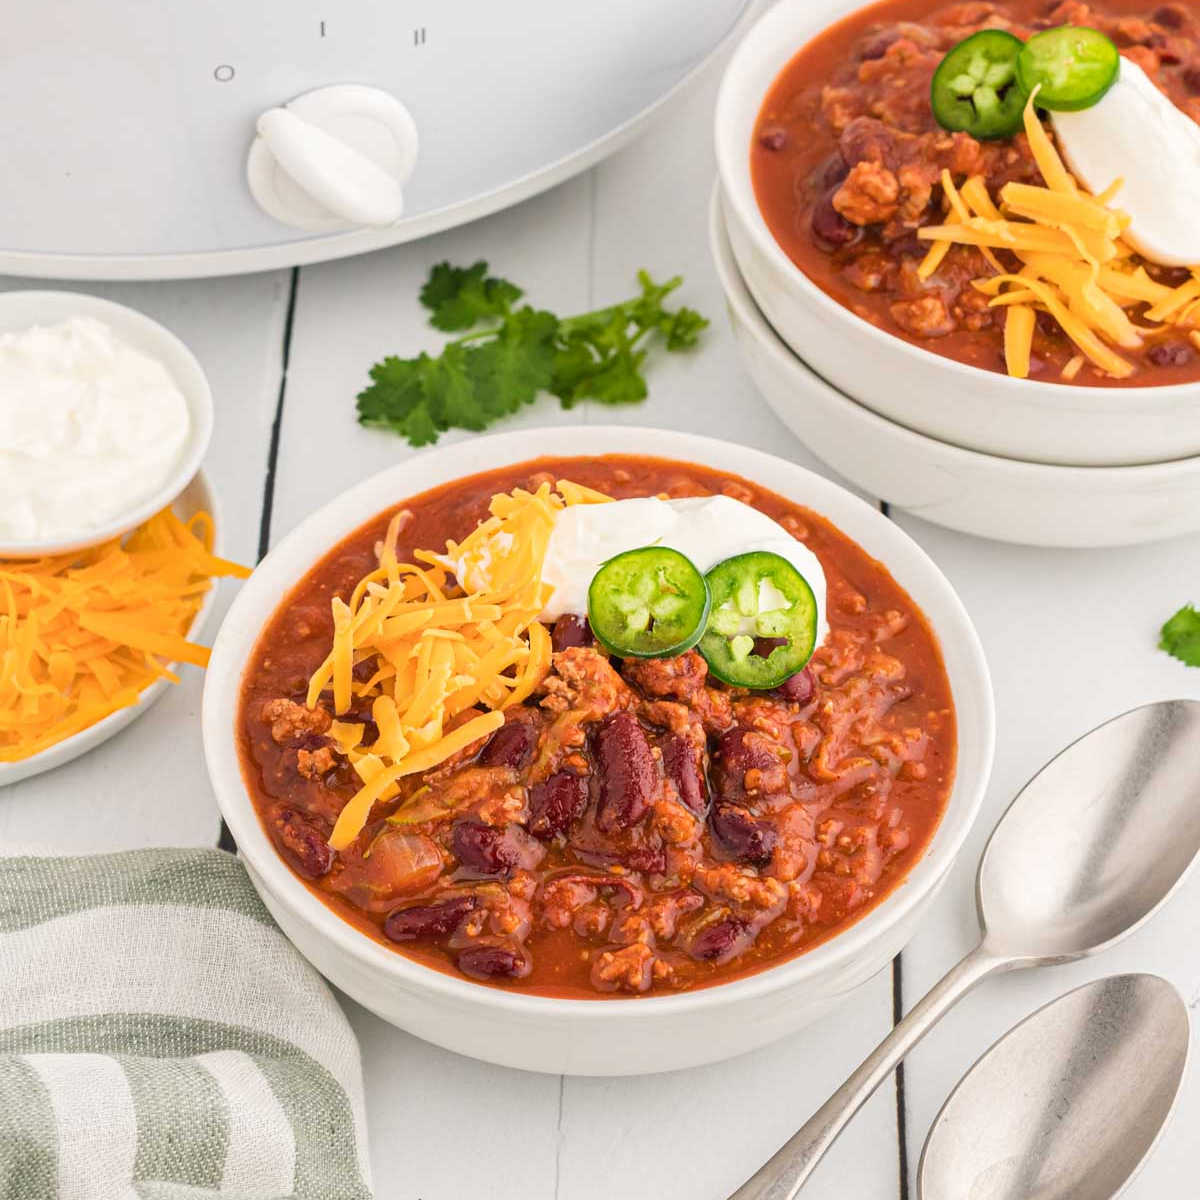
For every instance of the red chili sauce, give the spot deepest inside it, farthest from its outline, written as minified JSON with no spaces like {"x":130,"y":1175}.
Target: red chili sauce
{"x":635,"y":827}
{"x":847,"y":157}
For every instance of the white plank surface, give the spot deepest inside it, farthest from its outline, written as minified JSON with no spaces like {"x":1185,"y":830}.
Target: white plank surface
{"x":147,"y":786}
{"x":1070,"y":637}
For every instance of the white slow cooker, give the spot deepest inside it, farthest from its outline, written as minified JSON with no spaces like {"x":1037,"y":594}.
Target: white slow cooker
{"x":184,"y":139}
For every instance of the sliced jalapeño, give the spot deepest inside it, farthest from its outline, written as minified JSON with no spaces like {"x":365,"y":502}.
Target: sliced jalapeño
{"x":648,"y":603}
{"x":975,"y":88}
{"x":1071,"y":67}
{"x":762,"y":626}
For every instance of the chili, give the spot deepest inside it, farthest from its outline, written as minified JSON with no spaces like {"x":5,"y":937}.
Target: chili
{"x":846,"y":159}
{"x":635,"y":825}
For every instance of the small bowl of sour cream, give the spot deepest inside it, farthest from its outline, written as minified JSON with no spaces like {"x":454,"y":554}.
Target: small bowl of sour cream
{"x":104,"y":418}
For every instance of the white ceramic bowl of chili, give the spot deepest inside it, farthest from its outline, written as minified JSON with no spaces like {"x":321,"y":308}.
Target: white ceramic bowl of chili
{"x":1029,"y":503}
{"x":1030,"y":420}
{"x":614,"y":1036}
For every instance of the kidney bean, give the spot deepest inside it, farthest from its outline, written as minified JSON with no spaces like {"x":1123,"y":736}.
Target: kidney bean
{"x":719,"y":941}
{"x":878,"y":47}
{"x":1191,"y":78}
{"x":571,"y":630}
{"x":1048,"y":325}
{"x":556,"y":803}
{"x":1172,"y":276}
{"x":908,"y":246}
{"x":1169,"y":16}
{"x":799,"y":688}
{"x":511,"y":745}
{"x":764,"y":645}
{"x":301,"y":843}
{"x":650,"y":859}
{"x":484,"y":849}
{"x":829,"y":226}
{"x":360,"y":711}
{"x":679,"y":763}
{"x":626,"y":771}
{"x":835,"y":170}
{"x":428,"y":920}
{"x":737,"y":752}
{"x":773,"y":139}
{"x":743,"y":837}
{"x":1169,"y":354}
{"x":492,"y":962}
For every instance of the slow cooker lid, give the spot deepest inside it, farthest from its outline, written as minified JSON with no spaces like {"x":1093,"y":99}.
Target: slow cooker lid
{"x":131,"y":122}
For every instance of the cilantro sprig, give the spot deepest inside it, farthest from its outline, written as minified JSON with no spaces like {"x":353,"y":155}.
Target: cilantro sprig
{"x":1181,"y":636}
{"x":511,"y":353}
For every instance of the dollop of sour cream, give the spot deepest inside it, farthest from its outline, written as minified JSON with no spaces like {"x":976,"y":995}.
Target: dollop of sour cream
{"x":90,"y":427}
{"x":707,"y":529}
{"x":1136,"y":134}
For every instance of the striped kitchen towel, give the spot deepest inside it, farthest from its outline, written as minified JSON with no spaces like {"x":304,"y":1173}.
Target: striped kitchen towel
{"x":160,"y":1039}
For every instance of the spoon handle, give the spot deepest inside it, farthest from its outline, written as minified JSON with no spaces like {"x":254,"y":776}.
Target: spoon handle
{"x":781,"y":1177}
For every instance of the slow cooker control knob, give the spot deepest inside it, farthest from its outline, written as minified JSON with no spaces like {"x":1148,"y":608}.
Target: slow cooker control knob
{"x":335,"y":158}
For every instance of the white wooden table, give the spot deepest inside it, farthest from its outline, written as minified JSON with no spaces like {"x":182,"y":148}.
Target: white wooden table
{"x":1070,"y":636}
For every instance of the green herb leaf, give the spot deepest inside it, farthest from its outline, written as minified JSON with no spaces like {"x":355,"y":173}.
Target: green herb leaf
{"x":396,"y":400}
{"x":494,"y":370}
{"x":461,"y":297}
{"x":682,"y":328}
{"x":510,"y":369}
{"x":1181,"y":636}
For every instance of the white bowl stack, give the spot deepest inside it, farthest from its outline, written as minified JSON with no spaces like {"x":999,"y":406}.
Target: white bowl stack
{"x":1012,"y":459}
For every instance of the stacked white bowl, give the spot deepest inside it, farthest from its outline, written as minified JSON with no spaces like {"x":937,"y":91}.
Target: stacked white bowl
{"x":1012,"y":459}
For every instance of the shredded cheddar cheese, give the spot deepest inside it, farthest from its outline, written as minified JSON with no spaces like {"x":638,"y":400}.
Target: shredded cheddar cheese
{"x":84,"y":634}
{"x":1068,"y":259}
{"x":1054,"y":172}
{"x":1018,"y":338}
{"x":439,"y":647}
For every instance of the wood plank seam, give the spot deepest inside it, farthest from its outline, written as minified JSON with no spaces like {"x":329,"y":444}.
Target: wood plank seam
{"x":225,"y":838}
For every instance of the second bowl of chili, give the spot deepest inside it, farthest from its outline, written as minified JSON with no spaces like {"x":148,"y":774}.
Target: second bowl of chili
{"x":812,"y":74}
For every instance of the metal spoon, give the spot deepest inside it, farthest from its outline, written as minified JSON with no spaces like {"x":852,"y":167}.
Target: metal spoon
{"x":1088,"y":850}
{"x":1069,"y":1104}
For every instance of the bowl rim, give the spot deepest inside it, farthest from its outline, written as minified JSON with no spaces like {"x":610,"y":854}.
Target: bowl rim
{"x":772,"y":35}
{"x":89,"y":738}
{"x":737,"y":295}
{"x":48,"y":306}
{"x":322,"y":530}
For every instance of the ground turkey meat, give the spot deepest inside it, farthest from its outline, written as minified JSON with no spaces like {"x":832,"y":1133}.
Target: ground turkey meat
{"x":869,"y":195}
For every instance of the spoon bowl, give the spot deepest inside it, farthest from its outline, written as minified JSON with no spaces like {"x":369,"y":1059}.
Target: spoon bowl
{"x":1067,"y":1105}
{"x":1097,"y":839}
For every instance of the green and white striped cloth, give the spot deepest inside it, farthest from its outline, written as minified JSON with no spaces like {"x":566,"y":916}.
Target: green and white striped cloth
{"x":160,"y":1039}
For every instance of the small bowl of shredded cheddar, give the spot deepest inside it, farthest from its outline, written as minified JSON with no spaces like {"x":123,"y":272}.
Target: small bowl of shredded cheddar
{"x":89,"y":639}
